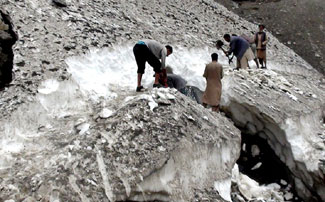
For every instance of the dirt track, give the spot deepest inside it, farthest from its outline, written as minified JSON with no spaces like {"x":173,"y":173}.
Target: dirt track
{"x":299,"y":24}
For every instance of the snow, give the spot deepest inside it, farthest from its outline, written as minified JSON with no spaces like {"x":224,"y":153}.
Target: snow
{"x":223,"y":187}
{"x":257,"y":166}
{"x":103,"y":74}
{"x":101,"y":71}
{"x":250,"y":189}
{"x":105,"y":113}
{"x":49,"y":86}
{"x":297,"y":131}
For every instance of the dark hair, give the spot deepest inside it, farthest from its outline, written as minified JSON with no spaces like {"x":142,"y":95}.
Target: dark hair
{"x":261,"y":25}
{"x":234,"y":35}
{"x":226,"y":36}
{"x":169,"y":48}
{"x":219,"y":43}
{"x":214,"y":56}
{"x":169,"y":69}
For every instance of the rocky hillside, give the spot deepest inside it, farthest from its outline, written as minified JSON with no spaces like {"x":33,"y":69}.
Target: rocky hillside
{"x":60,"y":143}
{"x":150,"y":148}
{"x":48,"y":34}
{"x":298,"y":24}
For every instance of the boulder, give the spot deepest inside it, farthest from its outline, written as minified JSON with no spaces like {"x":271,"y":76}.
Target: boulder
{"x":159,"y":145}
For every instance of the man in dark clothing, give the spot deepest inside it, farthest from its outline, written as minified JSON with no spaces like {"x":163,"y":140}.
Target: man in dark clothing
{"x":260,"y":40}
{"x":240,"y":48}
{"x":152,"y":52}
{"x":176,"y":81}
{"x":179,"y":83}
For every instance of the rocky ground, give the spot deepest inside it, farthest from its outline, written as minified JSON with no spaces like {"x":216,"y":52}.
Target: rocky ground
{"x":36,"y":122}
{"x":299,"y":24}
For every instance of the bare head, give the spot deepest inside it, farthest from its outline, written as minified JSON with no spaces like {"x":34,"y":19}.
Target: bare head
{"x":214,"y":57}
{"x":219,"y":44}
{"x":261,"y":27}
{"x":226,"y":37}
{"x":169,"y":50}
{"x":169,"y":69}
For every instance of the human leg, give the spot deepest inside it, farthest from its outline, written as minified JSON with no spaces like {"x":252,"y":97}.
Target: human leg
{"x":244,"y":62}
{"x":139,"y":54}
{"x":155,"y":63}
{"x":256,"y":61}
{"x":261,"y":62}
{"x":139,"y":79}
{"x":261,"y":56}
{"x":264,"y":59}
{"x":238,"y":65}
{"x":156,"y":78}
{"x":215,"y":108}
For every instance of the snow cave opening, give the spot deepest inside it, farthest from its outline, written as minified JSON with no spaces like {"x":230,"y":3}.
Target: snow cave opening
{"x":257,"y":158}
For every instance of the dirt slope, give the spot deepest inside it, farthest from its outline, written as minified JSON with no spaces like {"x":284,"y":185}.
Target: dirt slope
{"x":299,"y":24}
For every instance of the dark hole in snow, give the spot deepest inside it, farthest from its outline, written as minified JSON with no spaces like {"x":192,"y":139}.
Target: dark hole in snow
{"x":258,"y":161}
{"x":256,"y":151}
{"x":7,"y":39}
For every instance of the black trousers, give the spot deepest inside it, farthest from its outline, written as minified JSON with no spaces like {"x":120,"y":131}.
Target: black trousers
{"x":142,"y":55}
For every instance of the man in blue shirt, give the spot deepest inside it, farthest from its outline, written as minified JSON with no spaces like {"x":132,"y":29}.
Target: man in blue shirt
{"x":240,"y":48}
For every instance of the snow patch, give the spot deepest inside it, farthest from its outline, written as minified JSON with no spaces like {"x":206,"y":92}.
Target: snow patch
{"x":224,"y":188}
{"x":251,"y":190}
{"x":48,"y":86}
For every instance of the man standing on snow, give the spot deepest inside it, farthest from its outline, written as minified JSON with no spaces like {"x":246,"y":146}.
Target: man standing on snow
{"x":252,"y":45}
{"x":150,"y":51}
{"x":240,"y":48}
{"x":213,"y":74}
{"x":261,"y":41}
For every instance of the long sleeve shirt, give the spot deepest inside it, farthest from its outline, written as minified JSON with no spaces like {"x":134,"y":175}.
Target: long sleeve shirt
{"x":158,"y":50}
{"x":238,"y":46}
{"x":175,"y":81}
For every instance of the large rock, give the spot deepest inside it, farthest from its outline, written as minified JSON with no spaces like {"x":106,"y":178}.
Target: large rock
{"x":288,"y":111}
{"x":158,"y":145}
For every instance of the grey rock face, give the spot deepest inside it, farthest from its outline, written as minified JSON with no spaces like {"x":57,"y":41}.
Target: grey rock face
{"x":159,"y":145}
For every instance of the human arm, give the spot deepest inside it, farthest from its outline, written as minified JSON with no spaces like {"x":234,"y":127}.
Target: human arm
{"x":163,"y":54}
{"x":266,"y":40}
{"x":221,"y":72}
{"x":205,"y":74}
{"x":231,"y":48}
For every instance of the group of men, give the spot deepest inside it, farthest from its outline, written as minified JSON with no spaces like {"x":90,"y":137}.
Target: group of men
{"x":247,"y":49}
{"x":240,"y":46}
